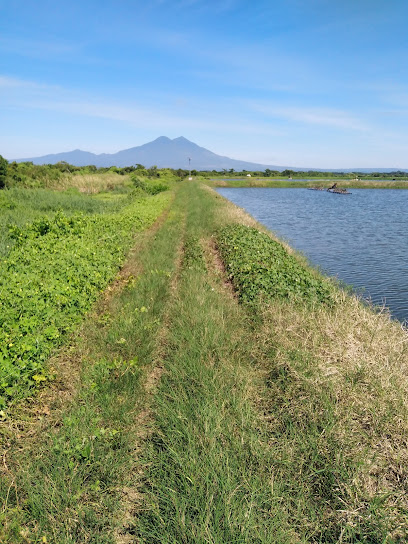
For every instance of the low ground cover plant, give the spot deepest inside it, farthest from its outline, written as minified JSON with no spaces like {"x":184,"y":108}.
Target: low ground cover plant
{"x":50,"y":278}
{"x":259,"y":267}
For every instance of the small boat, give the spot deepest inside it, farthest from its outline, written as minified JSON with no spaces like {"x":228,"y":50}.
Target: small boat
{"x":339,"y":191}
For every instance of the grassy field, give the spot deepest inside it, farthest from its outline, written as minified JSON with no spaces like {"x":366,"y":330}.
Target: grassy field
{"x":209,"y":396}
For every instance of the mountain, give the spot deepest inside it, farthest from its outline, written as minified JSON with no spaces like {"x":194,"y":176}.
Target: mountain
{"x":164,"y":152}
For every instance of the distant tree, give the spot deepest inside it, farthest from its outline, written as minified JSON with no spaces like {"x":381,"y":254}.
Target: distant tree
{"x":152,"y":172}
{"x":3,"y":171}
{"x":231,"y":170}
{"x":128,"y":169}
{"x":288,"y":173}
{"x":194,"y":173}
{"x":181,"y":173}
{"x":63,"y":166}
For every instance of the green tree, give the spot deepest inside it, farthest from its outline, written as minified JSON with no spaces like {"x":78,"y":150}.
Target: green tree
{"x":181,"y":173}
{"x":3,"y":171}
{"x":152,"y":172}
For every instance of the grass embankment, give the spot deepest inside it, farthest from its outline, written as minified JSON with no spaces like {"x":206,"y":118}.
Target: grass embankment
{"x":279,"y":419}
{"x":299,"y":184}
{"x":271,"y":419}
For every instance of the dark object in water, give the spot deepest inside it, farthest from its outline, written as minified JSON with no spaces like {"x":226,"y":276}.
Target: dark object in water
{"x":339,"y":191}
{"x":336,"y":190}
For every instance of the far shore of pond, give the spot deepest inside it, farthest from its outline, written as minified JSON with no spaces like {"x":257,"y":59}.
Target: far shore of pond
{"x":307,"y":183}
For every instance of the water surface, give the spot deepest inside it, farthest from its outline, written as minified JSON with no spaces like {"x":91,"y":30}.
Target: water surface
{"x":360,"y":238}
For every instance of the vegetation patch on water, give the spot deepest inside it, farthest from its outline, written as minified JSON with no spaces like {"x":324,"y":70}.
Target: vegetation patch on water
{"x":50,"y":278}
{"x":260,"y":267}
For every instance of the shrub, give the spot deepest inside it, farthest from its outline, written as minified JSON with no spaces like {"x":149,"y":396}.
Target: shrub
{"x":3,"y":171}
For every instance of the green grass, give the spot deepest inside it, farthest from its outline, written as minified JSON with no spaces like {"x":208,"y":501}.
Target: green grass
{"x":282,"y":422}
{"x":208,"y":480}
{"x":294,"y":184}
{"x":23,"y":206}
{"x":253,"y":443}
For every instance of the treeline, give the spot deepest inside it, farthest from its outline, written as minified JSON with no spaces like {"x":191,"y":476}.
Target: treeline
{"x":267,"y":173}
{"x":28,"y":174}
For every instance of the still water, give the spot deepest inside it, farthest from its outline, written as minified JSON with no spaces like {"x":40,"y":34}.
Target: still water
{"x":361,"y":238}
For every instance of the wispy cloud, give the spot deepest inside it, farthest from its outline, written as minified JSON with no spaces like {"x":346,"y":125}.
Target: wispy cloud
{"x":32,"y":95}
{"x":7,"y":82}
{"x":329,"y":117}
{"x":38,"y":49}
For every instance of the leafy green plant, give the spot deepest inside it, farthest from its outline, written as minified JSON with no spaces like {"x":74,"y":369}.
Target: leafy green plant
{"x":50,"y":278}
{"x":259,"y":267}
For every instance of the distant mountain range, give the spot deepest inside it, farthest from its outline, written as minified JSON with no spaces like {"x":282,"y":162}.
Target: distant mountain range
{"x":166,"y":153}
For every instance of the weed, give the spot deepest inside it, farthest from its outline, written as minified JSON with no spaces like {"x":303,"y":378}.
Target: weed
{"x":261,"y":268}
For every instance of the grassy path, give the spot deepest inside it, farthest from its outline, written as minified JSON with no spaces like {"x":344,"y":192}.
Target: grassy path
{"x":198,"y":419}
{"x":208,"y":478}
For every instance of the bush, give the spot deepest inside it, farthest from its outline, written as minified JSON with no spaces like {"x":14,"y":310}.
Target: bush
{"x":3,"y":171}
{"x":148,"y":187}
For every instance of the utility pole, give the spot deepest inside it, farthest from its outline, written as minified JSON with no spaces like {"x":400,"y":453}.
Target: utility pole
{"x":189,"y":169}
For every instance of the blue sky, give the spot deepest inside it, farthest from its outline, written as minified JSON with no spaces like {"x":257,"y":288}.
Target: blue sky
{"x":307,"y":83}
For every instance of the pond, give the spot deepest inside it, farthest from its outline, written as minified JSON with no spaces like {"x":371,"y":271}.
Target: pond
{"x":361,"y":238}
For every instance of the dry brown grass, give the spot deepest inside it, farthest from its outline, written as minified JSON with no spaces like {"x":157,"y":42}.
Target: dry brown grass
{"x":91,"y":183}
{"x":359,"y":360}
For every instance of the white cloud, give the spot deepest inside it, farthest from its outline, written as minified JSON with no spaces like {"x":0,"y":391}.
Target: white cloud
{"x":330,"y":117}
{"x":32,"y":95}
{"x":39,"y":49}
